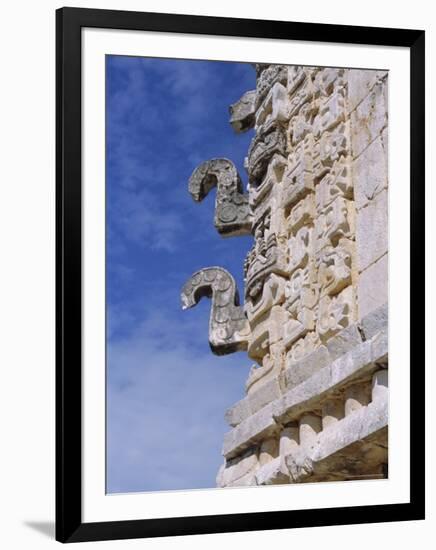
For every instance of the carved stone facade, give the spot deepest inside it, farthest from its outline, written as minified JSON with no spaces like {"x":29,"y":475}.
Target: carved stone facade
{"x":315,"y":314}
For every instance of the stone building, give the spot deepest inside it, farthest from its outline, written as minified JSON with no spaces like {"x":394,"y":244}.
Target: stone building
{"x":314,"y":319}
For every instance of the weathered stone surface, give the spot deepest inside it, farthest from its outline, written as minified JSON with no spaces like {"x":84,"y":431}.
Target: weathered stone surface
{"x":375,"y":321}
{"x":266,"y":393}
{"x":379,"y":347}
{"x":273,"y":473}
{"x":232,"y":213}
{"x":297,"y":372}
{"x":302,"y":398}
{"x":360,"y":83}
{"x":369,"y":119}
{"x":237,"y":412}
{"x":242,"y":112}
{"x":228,"y":327}
{"x":370,"y":173}
{"x":315,"y":318}
{"x":240,"y":466}
{"x":356,"y":444}
{"x":252,"y":430}
{"x":373,"y":287}
{"x":371,"y":231}
{"x":345,"y":340}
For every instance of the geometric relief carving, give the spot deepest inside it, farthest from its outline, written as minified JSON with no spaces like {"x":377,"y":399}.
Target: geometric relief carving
{"x":298,"y":175}
{"x":232,"y":212}
{"x":275,"y":107}
{"x":242,"y":112}
{"x":329,"y":148}
{"x":273,"y":293}
{"x":302,"y":213}
{"x":335,"y":221}
{"x":328,"y":79}
{"x":303,"y":347}
{"x":335,"y":313}
{"x":334,"y":269}
{"x":336,"y":183}
{"x":300,"y":248}
{"x":228,"y":326}
{"x":331,"y":112}
{"x":267,"y":76}
{"x":266,"y":143}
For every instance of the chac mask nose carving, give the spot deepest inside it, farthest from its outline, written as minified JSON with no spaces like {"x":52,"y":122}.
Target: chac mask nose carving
{"x":232,"y":212}
{"x":228,"y":326}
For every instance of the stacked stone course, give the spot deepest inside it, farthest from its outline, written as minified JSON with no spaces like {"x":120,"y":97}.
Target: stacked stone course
{"x":315,"y":317}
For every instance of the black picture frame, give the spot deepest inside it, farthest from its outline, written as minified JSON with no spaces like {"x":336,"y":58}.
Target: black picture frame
{"x":69,"y":525}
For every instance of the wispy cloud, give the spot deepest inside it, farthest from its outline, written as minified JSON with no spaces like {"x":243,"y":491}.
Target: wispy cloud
{"x":167,"y":393}
{"x":166,"y":401}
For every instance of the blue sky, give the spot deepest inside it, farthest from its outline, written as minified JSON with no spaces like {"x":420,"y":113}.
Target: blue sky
{"x":167,"y":392}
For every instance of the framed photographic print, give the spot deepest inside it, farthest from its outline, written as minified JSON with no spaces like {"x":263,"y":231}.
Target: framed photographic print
{"x":271,"y":174}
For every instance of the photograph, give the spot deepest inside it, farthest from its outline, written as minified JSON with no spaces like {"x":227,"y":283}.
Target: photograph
{"x":247,"y":242}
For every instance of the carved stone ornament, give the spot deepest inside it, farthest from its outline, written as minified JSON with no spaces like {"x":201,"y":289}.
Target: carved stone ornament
{"x":228,"y":326}
{"x":232,"y":212}
{"x":242,"y":112}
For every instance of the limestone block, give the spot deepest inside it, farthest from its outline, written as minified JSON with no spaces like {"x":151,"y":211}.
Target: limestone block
{"x":363,"y":424}
{"x":300,"y":248}
{"x":335,"y":313}
{"x":375,"y":321}
{"x":237,"y":413}
{"x":242,"y":112}
{"x":373,"y":287}
{"x":372,"y":231}
{"x":297,"y":327}
{"x":331,"y":112}
{"x":370,"y":174}
{"x":334,"y":269}
{"x":273,"y":293}
{"x":310,"y":426}
{"x":336,"y":183}
{"x":268,"y":450}
{"x":360,"y":83}
{"x":354,"y":364}
{"x":380,"y":385}
{"x":252,"y":430}
{"x":369,"y":119}
{"x":306,"y":396}
{"x":357,"y":395}
{"x":289,"y":439}
{"x":297,"y":372}
{"x":267,"y":392}
{"x":303,"y":213}
{"x":274,"y":472}
{"x":335,"y":222}
{"x":379,"y":347}
{"x":302,"y":124}
{"x":326,"y":80}
{"x":295,"y":77}
{"x":239,"y":467}
{"x":301,"y":290}
{"x":332,"y":412}
{"x":330,"y":148}
{"x":297,"y":177}
{"x":344,"y":341}
{"x":275,"y":107}
{"x":304,"y":346}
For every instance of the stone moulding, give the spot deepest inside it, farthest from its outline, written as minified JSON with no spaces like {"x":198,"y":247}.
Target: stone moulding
{"x":242,"y":112}
{"x":228,"y":326}
{"x":357,"y":364}
{"x":232,"y":211}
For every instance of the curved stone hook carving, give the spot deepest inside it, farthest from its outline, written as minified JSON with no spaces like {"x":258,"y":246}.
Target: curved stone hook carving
{"x":232,"y":211}
{"x":228,"y":326}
